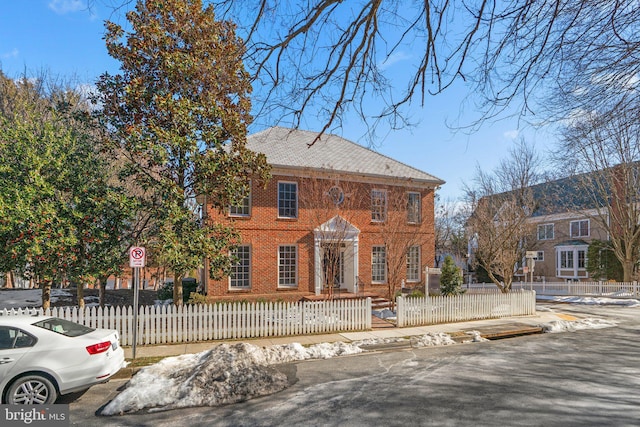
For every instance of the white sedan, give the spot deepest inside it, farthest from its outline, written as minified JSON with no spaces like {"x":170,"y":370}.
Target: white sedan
{"x":42,"y":357}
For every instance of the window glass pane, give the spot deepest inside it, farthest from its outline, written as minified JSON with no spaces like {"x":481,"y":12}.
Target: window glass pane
{"x":579,"y":228}
{"x":378,"y":264}
{"x":581,"y":259}
{"x":240,"y":277}
{"x":242,"y":209}
{"x":378,"y":205}
{"x":287,"y":266}
{"x":413,"y":208}
{"x":413,"y":264}
{"x":287,"y":200}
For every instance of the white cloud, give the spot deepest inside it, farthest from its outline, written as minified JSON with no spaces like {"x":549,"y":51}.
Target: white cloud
{"x":511,"y":134}
{"x":12,"y":54}
{"x":66,"y":6}
{"x":393,"y":58}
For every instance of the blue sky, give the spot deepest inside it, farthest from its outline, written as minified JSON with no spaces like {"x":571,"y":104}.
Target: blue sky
{"x":64,"y":38}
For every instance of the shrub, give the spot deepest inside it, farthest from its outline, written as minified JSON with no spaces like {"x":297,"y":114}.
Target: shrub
{"x":196,"y":298}
{"x":451,"y":278}
{"x":165,"y":291}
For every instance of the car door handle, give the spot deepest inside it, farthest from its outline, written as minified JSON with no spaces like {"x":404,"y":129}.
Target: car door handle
{"x":5,"y":360}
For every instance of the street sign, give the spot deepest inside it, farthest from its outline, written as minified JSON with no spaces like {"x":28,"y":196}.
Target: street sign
{"x":531,"y":254}
{"x":137,"y":257}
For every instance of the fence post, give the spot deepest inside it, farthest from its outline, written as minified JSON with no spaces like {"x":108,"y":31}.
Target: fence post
{"x":400,"y":311}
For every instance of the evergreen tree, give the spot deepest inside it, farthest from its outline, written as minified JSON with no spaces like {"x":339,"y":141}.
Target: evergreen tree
{"x":451,"y":278}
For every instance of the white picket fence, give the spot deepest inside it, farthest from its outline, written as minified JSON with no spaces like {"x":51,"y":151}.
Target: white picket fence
{"x":191,"y":323}
{"x":446,"y":309}
{"x":592,"y":289}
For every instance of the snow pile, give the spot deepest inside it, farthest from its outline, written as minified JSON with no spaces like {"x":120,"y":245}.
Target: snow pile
{"x":475,"y":337}
{"x":571,"y":326}
{"x":432,"y":339}
{"x":226,"y":374}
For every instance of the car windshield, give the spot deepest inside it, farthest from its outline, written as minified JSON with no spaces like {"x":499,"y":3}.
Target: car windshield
{"x":64,"y":327}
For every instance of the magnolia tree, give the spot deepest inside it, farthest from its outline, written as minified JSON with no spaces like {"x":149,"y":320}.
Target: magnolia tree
{"x":178,"y":112}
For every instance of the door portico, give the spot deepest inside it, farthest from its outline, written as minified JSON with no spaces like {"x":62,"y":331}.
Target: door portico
{"x":336,"y":255}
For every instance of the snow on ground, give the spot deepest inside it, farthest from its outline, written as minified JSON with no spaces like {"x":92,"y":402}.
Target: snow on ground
{"x":628,"y":302}
{"x":230,"y":373}
{"x":21,"y":298}
{"x":576,"y":325}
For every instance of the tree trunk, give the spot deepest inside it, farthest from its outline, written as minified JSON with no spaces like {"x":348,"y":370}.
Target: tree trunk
{"x":627,"y":270}
{"x":177,"y":289}
{"x":80,"y":293}
{"x":46,"y":296}
{"x":102,"y":287}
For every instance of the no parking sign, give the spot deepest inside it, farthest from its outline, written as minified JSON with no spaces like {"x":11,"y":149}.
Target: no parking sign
{"x":137,"y":256}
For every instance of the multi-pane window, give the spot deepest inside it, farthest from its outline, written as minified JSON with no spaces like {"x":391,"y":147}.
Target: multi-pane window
{"x":413,"y":264}
{"x":579,"y":228}
{"x":287,"y":266}
{"x":413,"y":208}
{"x":539,"y":256}
{"x":582,"y":257}
{"x":566,"y":259}
{"x":241,"y":209}
{"x":378,"y":205}
{"x":379,"y":264}
{"x":545,"y":232}
{"x":287,"y":200}
{"x":240,"y":272}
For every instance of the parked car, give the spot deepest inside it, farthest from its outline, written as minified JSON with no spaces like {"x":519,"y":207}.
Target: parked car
{"x":43,"y":357}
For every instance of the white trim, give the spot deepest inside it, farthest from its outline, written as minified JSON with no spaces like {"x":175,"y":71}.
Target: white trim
{"x":278,"y":200}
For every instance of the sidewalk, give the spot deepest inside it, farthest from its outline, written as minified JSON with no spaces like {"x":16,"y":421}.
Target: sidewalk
{"x":491,"y":328}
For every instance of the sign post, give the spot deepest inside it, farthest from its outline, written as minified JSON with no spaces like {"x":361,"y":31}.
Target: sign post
{"x":137,"y":259}
{"x":531,"y":265}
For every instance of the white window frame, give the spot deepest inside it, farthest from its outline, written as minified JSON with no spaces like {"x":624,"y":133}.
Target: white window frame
{"x":571,"y":261}
{"x":545,"y":228}
{"x":413,"y":264}
{"x":379,"y":265}
{"x":280,"y":199}
{"x":414,"y":210}
{"x":579,"y":222}
{"x":378,"y":209}
{"x":240,"y":264}
{"x":287,"y":266}
{"x":539,"y":256}
{"x":242,"y":210}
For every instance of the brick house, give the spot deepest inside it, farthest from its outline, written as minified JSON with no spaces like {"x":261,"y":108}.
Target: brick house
{"x":335,"y":217}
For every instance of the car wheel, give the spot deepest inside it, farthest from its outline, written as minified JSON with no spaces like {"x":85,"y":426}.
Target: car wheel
{"x":32,"y":390}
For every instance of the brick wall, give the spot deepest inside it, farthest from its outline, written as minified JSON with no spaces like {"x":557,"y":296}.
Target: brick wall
{"x":264,"y":231}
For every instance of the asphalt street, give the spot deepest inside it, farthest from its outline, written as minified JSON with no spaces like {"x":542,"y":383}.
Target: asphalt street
{"x":583,"y":378}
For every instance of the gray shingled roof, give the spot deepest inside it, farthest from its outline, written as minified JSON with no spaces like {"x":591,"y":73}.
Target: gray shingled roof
{"x":289,"y":148}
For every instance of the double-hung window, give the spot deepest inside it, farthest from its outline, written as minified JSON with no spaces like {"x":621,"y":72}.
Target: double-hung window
{"x":379,"y":264}
{"x":287,"y":200}
{"x":287,"y":266}
{"x":579,"y":228}
{"x":546,"y":232}
{"x":241,"y":271}
{"x":243,"y":208}
{"x":378,"y":205}
{"x":413,"y":208}
{"x":413,"y":264}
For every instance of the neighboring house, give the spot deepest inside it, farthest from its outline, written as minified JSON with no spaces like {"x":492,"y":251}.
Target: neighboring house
{"x":562,"y":225}
{"x":335,"y":217}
